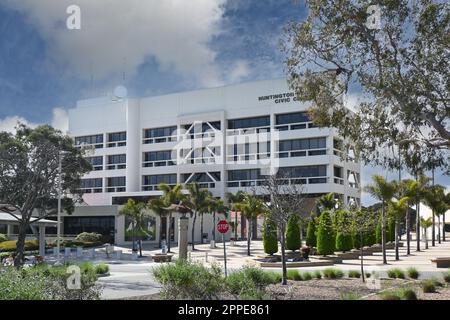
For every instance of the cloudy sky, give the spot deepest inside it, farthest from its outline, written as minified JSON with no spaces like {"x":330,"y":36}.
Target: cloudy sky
{"x":158,"y":46}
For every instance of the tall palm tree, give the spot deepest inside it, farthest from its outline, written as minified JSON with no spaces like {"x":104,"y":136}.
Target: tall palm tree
{"x":136,"y":213}
{"x":426,"y":223}
{"x":382,"y":191}
{"x":158,"y":207}
{"x":422,"y":182}
{"x":398,"y":211}
{"x":251,"y":207}
{"x":445,"y":207}
{"x":171,"y":196}
{"x":216,"y":206}
{"x":434,"y":196}
{"x":197,"y":201}
{"x":235,"y":199}
{"x":410,"y":188}
{"x":327,"y":202}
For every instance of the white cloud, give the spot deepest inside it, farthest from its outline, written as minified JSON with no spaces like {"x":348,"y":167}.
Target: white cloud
{"x":59,"y":121}
{"x":175,"y":33}
{"x":239,"y":71}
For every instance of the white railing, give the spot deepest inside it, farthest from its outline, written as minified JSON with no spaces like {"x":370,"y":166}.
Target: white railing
{"x":116,"y":189}
{"x":301,"y":153}
{"x":161,"y":163}
{"x":92,"y":190}
{"x":295,"y":126}
{"x":204,"y":185}
{"x":116,"y":166}
{"x":252,"y":130}
{"x":248,"y":157}
{"x":160,"y":139}
{"x":200,"y":135}
{"x":116,"y":144}
{"x":154,"y":187}
{"x":203,"y":160}
{"x":353,"y":185}
{"x":259,"y":182}
{"x":338,"y":180}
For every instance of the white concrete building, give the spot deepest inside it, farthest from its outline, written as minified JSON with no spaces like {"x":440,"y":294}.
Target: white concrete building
{"x":225,"y":138}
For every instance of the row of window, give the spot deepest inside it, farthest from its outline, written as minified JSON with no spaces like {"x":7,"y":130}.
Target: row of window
{"x":157,"y":135}
{"x":117,"y":161}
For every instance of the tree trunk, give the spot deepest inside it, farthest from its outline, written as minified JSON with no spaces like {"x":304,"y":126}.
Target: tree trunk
{"x":426,"y":237}
{"x":283,"y":257}
{"x":249,"y":235}
{"x":235,"y":226}
{"x":433,"y":232}
{"x":193,"y":229}
{"x":201,"y":228}
{"x":169,"y":224}
{"x":439,"y":229}
{"x":134,"y":237}
{"x":361,"y":252}
{"x":408,"y":233}
{"x":20,"y":246}
{"x":397,"y":231}
{"x":418,"y":226}
{"x":383,"y":234}
{"x":443,"y":226}
{"x":140,"y":248}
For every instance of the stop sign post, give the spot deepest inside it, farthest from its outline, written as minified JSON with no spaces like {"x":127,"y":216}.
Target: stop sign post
{"x":223,"y":227}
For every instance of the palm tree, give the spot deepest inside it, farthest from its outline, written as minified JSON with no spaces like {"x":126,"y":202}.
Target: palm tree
{"x":197,"y":201}
{"x":326,"y":202}
{"x":383,"y":191}
{"x":398,"y":211}
{"x":216,"y":206}
{"x":434,"y":196}
{"x":232,"y":199}
{"x":445,"y":207}
{"x":136,"y":213}
{"x":171,"y":196}
{"x":251,"y":207}
{"x":426,"y":223}
{"x":420,"y":191}
{"x":158,"y":207}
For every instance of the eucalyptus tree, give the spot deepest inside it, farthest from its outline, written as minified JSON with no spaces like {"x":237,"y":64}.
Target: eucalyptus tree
{"x":383,"y":191}
{"x":171,"y":196}
{"x":232,"y":200}
{"x":399,"y":64}
{"x":136,"y":213}
{"x":197,"y":202}
{"x":397,"y":210}
{"x":30,"y":176}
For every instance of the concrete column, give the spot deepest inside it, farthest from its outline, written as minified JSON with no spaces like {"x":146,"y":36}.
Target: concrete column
{"x":183,"y":225}
{"x":42,"y":240}
{"x":134,"y":157}
{"x":9,"y":230}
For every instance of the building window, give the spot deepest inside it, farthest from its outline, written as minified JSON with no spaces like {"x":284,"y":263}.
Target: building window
{"x":94,"y":140}
{"x":104,"y":225}
{"x":151,"y":182}
{"x":293,"y":121}
{"x":205,"y":180}
{"x":202,"y":127}
{"x":160,"y":135}
{"x":302,"y":147}
{"x":117,"y":139}
{"x":200,"y":155}
{"x":117,"y":161}
{"x":305,"y":174}
{"x":116,"y":184}
{"x":245,"y":178}
{"x":248,"y":151}
{"x":158,"y":159}
{"x":96,"y":163}
{"x":92,"y":185}
{"x":255,"y":122}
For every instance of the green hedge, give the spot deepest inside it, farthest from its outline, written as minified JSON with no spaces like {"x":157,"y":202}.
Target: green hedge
{"x":325,"y":235}
{"x":311,"y":239}
{"x":3,"y":237}
{"x":293,"y":234}
{"x":270,"y":240}
{"x":11,"y":245}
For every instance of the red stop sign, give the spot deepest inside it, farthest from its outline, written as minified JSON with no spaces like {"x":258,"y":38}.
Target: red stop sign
{"x":222,"y":226}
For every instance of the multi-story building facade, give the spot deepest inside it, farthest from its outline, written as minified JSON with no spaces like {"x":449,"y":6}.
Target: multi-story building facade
{"x":224,"y":138}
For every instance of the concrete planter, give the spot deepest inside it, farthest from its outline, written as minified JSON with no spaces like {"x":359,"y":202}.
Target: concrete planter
{"x":348,"y":255}
{"x":332,"y":258}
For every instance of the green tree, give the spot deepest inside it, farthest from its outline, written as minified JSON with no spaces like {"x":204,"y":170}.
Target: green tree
{"x":170,"y":196}
{"x":197,"y":201}
{"x":426,"y":223}
{"x":344,"y":241}
{"x":397,"y":211}
{"x":29,"y":176}
{"x":325,"y":235}
{"x":137,"y":214}
{"x":270,"y":241}
{"x":383,"y":191}
{"x":311,"y":233}
{"x":293,"y":234}
{"x":434,"y":198}
{"x":326,"y":202}
{"x":232,"y":200}
{"x":401,"y":67}
{"x":158,"y":207}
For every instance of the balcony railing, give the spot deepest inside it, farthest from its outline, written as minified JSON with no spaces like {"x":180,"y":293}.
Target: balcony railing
{"x":203,"y":160}
{"x":248,"y":157}
{"x":162,"y":163}
{"x":154,"y":187}
{"x":116,"y":144}
{"x":92,"y":190}
{"x":301,"y":153}
{"x":244,"y":131}
{"x":338,"y":180}
{"x":116,"y":166}
{"x":116,"y":189}
{"x":353,"y":185}
{"x":259,"y":182}
{"x":160,"y":139}
{"x":295,"y":126}
{"x":199,"y":135}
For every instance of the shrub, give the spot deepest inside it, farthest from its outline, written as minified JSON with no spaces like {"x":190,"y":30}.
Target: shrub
{"x":3,"y":238}
{"x":294,"y":275}
{"x":344,"y":242}
{"x":447,"y":276}
{"x":307,"y":276}
{"x":274,"y":277}
{"x":349,"y":296}
{"x":270,"y":240}
{"x":11,"y":245}
{"x":325,"y":235}
{"x":408,"y":294}
{"x":317,"y":274}
{"x":191,"y":281}
{"x":378,"y":232}
{"x":368,"y":274}
{"x":293,"y":234}
{"x":413,"y":273}
{"x":428,"y":286}
{"x":332,"y":273}
{"x":396,"y":273}
{"x":101,"y":268}
{"x":390,"y":295}
{"x":354,"y":274}
{"x":89,"y":237}
{"x":311,"y":240}
{"x":249,"y":282}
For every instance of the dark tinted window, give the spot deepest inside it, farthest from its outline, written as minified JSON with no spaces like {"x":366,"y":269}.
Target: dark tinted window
{"x":116,"y":182}
{"x":239,"y":175}
{"x":158,"y":155}
{"x":303,"y":172}
{"x":159,"y":178}
{"x":160,"y":132}
{"x":303,"y":144}
{"x":117,"y":159}
{"x":249,"y":122}
{"x":117,"y":136}
{"x":95,"y":139}
{"x":292,"y":118}
{"x":91,"y":183}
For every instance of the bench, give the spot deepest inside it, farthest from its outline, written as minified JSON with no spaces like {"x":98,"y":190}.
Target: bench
{"x":162,"y":257}
{"x":443,"y":262}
